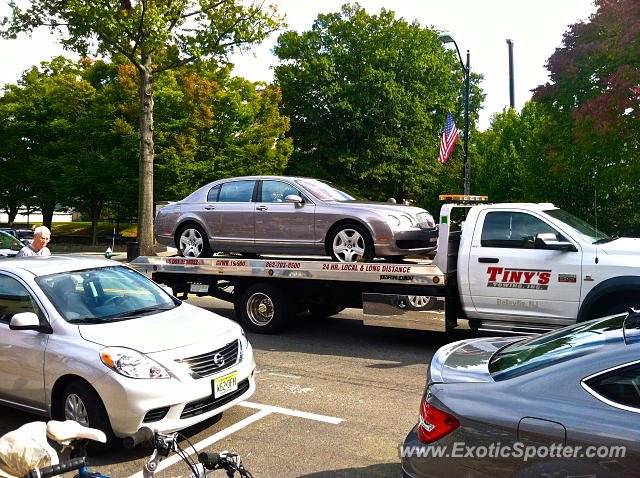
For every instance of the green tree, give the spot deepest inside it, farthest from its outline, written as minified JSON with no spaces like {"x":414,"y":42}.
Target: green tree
{"x":510,"y":162}
{"x":368,"y":96}
{"x":32,"y":122}
{"x":188,"y":29}
{"x":593,"y":102}
{"x":210,"y":126}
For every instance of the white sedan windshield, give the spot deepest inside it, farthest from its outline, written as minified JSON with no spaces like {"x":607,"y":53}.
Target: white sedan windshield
{"x":105,"y":294}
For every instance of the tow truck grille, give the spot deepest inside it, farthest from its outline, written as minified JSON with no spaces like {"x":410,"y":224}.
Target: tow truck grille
{"x":213,"y":362}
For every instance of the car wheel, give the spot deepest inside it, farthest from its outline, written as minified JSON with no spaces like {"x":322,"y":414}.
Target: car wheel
{"x":193,"y":242}
{"x":350,"y":242}
{"x":264,"y":309}
{"x":419,"y":302}
{"x":82,"y":404}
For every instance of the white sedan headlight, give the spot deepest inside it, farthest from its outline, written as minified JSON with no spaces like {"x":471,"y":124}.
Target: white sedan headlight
{"x":131,"y":363}
{"x":399,"y":221}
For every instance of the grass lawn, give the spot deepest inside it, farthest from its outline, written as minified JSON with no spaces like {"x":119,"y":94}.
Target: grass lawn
{"x":84,"y":229}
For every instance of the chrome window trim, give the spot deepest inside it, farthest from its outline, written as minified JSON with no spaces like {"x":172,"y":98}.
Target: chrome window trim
{"x":609,"y":402}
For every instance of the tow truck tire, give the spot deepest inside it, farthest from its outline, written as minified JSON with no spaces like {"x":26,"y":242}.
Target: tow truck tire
{"x":193,"y":241}
{"x":264,"y":309}
{"x":355,"y":237}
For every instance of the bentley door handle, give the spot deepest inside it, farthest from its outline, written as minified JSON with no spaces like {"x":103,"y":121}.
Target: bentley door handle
{"x":262,"y":208}
{"x":208,"y":208}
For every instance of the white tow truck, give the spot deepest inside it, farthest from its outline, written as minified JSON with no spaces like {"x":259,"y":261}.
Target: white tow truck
{"x":511,"y":268}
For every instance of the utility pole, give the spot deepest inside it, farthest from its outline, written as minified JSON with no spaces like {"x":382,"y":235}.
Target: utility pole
{"x":512,"y":100}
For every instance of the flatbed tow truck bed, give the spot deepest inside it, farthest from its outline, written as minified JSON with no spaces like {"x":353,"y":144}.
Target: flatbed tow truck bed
{"x":268,"y":291}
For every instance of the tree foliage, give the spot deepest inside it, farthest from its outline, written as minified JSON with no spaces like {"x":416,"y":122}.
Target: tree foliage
{"x":593,"y":101}
{"x":576,"y":144}
{"x":178,"y":32}
{"x":211,"y":126}
{"x":368,"y":96}
{"x":68,"y":134}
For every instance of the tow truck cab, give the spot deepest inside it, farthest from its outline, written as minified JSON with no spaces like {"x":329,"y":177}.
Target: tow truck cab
{"x":525,"y":265}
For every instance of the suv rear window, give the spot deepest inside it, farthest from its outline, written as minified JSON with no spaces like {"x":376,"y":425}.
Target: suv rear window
{"x":540,"y":351}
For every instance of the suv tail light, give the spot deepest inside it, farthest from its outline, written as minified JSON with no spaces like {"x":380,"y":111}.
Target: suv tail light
{"x":434,"y":424}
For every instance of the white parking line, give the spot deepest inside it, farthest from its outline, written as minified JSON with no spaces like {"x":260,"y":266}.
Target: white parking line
{"x":264,"y":410}
{"x":295,"y":413}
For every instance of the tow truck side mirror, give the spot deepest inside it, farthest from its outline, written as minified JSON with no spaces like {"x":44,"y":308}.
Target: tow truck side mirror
{"x":549,"y":241}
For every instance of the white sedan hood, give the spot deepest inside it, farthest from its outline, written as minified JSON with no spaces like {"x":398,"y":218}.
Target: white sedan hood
{"x":158,"y":332}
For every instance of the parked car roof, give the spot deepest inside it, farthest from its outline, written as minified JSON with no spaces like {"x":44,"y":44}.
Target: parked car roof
{"x":45,"y":265}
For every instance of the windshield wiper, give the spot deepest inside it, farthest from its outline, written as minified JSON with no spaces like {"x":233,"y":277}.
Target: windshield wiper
{"x":86,"y":320}
{"x":145,"y":310}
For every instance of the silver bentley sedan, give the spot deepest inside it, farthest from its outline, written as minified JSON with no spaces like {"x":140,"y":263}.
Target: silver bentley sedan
{"x":291,"y":215}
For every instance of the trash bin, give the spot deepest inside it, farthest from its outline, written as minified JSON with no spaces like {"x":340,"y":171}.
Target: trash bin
{"x":133,"y":250}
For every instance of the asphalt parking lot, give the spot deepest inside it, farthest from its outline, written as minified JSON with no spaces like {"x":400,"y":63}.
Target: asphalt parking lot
{"x":333,"y":399}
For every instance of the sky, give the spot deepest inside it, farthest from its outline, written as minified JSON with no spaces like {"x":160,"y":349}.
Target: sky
{"x":480,"y":26}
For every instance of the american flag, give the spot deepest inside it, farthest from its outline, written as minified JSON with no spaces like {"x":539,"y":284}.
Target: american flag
{"x":449,"y":138}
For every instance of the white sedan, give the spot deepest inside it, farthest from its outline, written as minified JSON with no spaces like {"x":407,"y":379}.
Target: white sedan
{"x":93,"y":341}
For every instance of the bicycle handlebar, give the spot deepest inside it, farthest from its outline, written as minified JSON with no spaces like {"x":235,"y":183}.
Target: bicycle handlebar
{"x":144,"y":435}
{"x":59,"y":469}
{"x":210,"y":460}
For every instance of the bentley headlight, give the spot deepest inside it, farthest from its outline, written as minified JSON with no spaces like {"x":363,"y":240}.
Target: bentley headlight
{"x":399,"y":221}
{"x":131,"y":363}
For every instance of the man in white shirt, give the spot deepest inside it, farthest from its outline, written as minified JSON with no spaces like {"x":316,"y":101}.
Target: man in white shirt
{"x":41,"y":237}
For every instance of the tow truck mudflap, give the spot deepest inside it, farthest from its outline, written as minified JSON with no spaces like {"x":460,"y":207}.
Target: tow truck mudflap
{"x":406,"y":312}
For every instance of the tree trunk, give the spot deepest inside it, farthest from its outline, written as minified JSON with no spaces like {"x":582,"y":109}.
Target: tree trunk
{"x":47,"y":215}
{"x":96,"y":209}
{"x":145,"y":188}
{"x":12,"y":212}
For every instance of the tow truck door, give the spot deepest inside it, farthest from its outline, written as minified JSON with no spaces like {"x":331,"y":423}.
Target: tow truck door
{"x":511,"y":280}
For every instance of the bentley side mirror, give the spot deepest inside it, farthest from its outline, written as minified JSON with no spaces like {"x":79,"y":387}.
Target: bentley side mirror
{"x":295,"y":199}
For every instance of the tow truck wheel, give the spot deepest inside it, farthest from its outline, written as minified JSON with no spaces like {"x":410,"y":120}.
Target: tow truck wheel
{"x":193,"y":241}
{"x":264,"y":309}
{"x":349,"y":242}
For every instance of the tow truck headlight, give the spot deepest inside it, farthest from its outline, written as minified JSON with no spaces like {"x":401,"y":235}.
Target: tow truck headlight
{"x":131,"y":363}
{"x":399,"y":221}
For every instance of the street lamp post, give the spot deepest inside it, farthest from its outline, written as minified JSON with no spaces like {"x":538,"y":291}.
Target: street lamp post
{"x":467,"y":69}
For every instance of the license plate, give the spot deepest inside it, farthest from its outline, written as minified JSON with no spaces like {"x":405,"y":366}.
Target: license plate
{"x":224,"y":385}
{"x":199,"y":288}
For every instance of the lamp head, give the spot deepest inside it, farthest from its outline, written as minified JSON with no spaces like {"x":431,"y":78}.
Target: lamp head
{"x":446,"y":39}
